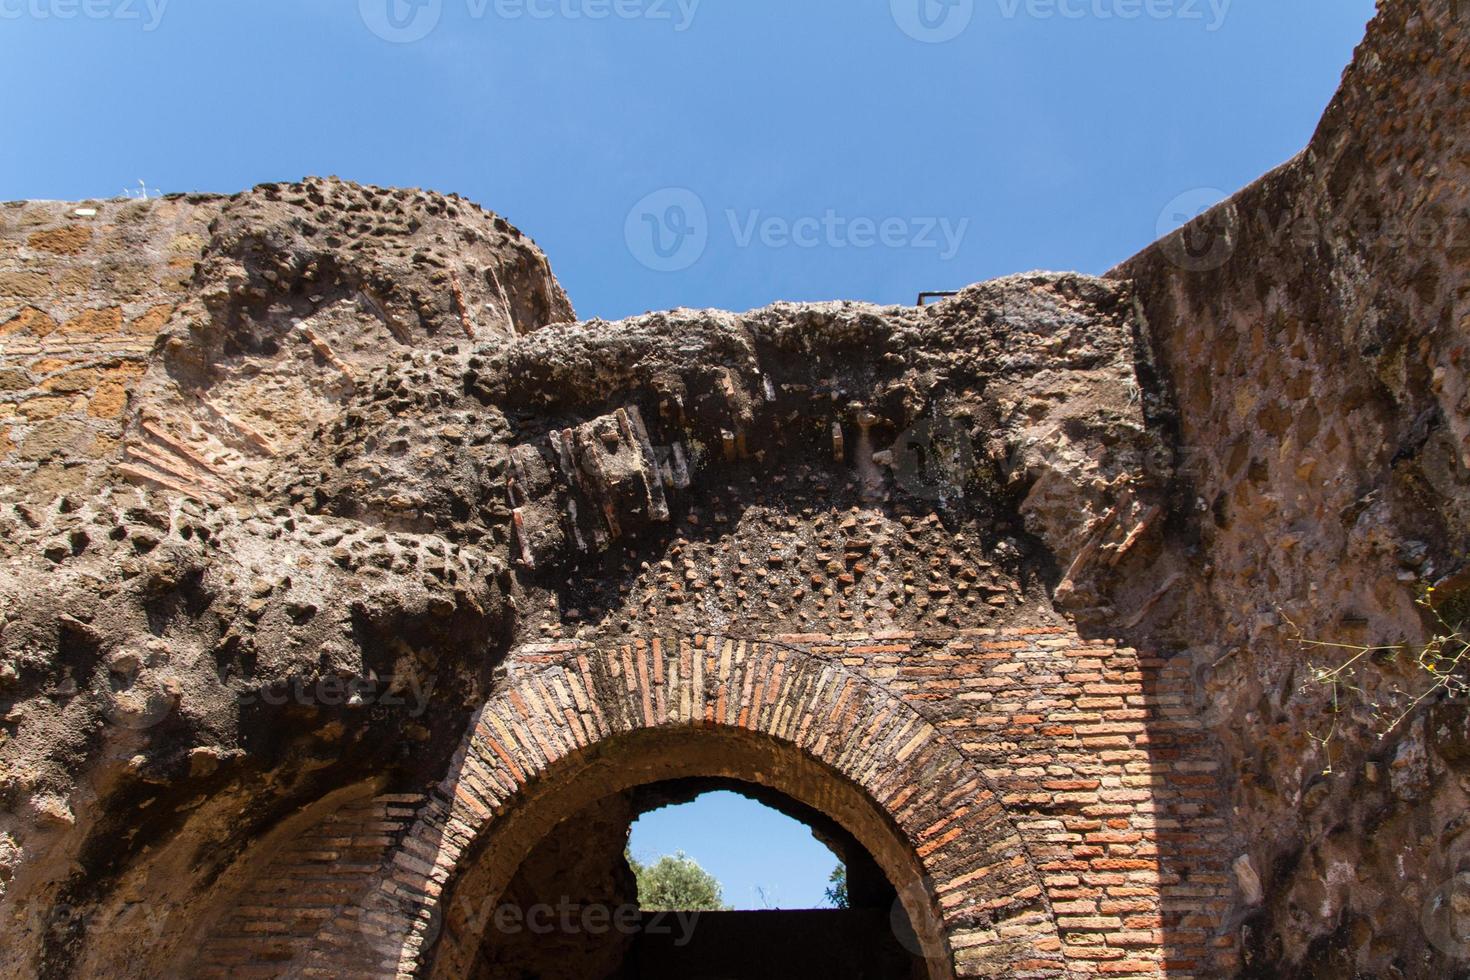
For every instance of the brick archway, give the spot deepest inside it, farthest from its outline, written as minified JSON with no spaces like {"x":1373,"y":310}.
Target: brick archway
{"x":579,"y":723}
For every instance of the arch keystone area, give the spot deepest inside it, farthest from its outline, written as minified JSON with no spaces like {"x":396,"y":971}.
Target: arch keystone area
{"x":580,"y":723}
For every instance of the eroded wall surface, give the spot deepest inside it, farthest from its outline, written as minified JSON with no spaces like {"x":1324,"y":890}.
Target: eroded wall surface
{"x":85,"y":290}
{"x":332,"y":532}
{"x":341,"y":565}
{"x":1313,"y":334}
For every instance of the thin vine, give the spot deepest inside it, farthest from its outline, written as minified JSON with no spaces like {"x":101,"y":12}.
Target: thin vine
{"x":1444,"y":659}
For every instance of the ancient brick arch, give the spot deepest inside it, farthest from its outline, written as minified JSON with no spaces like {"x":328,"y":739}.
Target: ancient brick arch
{"x":590,"y":722}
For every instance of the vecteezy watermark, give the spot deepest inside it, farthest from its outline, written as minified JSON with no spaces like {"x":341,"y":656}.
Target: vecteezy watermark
{"x":670,"y":230}
{"x":937,"y":21}
{"x":933,"y":21}
{"x":915,"y":920}
{"x":1194,"y":236}
{"x":401,"y":21}
{"x":409,"y":692}
{"x":932,"y":459}
{"x":140,"y":703}
{"x":142,"y":699}
{"x":571,"y":918}
{"x":147,"y":13}
{"x":1211,"y":13}
{"x":1199,"y":231}
{"x":393,"y":926}
{"x":1446,"y":917}
{"x":835,"y":231}
{"x":406,"y":21}
{"x":130,"y":923}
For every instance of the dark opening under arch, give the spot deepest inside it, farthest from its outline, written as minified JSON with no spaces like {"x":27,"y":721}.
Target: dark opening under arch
{"x":574,"y":827}
{"x":572,"y":912}
{"x":590,"y":724}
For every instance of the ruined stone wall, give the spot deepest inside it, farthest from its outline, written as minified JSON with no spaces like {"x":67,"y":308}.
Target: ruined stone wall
{"x":85,"y":290}
{"x":291,"y":291}
{"x":1312,"y":331}
{"x":934,"y":481}
{"x":1010,"y":588}
{"x":179,"y":652}
{"x":1089,"y":754}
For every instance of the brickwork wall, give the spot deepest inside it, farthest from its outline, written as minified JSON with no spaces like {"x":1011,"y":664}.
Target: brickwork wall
{"x":85,"y":290}
{"x":323,"y":874}
{"x":1054,"y":797}
{"x":1100,"y":758}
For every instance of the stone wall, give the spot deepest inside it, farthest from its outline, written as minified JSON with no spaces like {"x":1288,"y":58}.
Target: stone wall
{"x":166,"y":664}
{"x":385,"y":568}
{"x":941,"y":488}
{"x":1312,"y":333}
{"x":85,"y":291}
{"x":292,"y":290}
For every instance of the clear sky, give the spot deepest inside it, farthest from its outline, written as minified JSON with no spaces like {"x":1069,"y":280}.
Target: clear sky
{"x":721,"y":153}
{"x":863,"y":149}
{"x":764,"y":859}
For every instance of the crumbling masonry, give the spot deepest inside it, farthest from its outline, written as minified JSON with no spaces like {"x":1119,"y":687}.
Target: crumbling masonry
{"x":350,"y":586}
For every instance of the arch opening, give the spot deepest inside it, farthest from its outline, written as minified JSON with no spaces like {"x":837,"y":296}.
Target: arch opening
{"x":549,"y":894}
{"x":572,"y":910}
{"x":586,"y":724}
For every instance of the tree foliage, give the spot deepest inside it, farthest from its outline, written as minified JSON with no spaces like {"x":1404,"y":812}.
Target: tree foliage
{"x":676,"y":883}
{"x":837,"y":891}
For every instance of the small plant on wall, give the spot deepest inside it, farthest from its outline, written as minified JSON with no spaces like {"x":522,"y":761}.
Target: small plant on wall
{"x":1440,"y":667}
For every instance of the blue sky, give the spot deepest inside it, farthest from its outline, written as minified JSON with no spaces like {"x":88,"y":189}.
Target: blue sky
{"x":829,"y":143}
{"x":721,"y":153}
{"x":763,"y":859}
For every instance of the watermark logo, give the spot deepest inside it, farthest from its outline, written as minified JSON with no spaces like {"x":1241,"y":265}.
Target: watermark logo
{"x":933,"y":459}
{"x":407,"y":21}
{"x":1190,"y":240}
{"x":922,"y":937}
{"x":1197,"y":234}
{"x":937,"y":21}
{"x":140,"y":704}
{"x":679,"y":14}
{"x":933,"y":21}
{"x":146,"y":13}
{"x":569,"y":917}
{"x":401,"y":21}
{"x":408,"y":693}
{"x":396,"y":929}
{"x":1211,"y":13}
{"x":668,"y":230}
{"x":129,"y":924}
{"x":832,"y":230}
